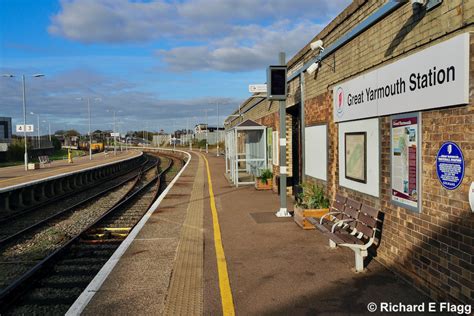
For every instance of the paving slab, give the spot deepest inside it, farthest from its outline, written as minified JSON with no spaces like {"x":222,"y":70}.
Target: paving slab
{"x":276,"y":268}
{"x":140,"y":282}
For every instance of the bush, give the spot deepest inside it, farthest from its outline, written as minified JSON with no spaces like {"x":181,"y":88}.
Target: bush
{"x":202,"y":143}
{"x":266,"y":175}
{"x":56,"y":143}
{"x":312,"y":197}
{"x":16,"y":150}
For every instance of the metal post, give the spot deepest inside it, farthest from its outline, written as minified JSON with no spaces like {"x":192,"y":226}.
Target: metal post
{"x":174,"y":135}
{"x":187,"y":130}
{"x":207,"y":130}
{"x":218,"y":129}
{"x":283,"y":212}
{"x":49,"y":125}
{"x":24,"y":124}
{"x":115,"y":138}
{"x":39,"y":139}
{"x":90,"y":135}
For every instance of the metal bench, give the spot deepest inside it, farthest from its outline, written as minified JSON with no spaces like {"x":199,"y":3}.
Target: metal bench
{"x":358,"y":234}
{"x":341,"y":212}
{"x":43,"y":160}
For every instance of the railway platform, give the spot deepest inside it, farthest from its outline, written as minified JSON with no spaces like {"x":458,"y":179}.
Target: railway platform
{"x":16,"y":175}
{"x":220,"y":250}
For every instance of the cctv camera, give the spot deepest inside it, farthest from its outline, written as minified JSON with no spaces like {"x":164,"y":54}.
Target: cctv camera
{"x":317,"y":44}
{"x":312,"y":68}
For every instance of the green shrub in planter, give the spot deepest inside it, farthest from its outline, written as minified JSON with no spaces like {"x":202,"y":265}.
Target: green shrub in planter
{"x":312,"y":197}
{"x":266,"y":175}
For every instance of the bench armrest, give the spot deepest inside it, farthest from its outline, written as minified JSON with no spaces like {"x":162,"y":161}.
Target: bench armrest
{"x":328,"y":214}
{"x":341,"y":221}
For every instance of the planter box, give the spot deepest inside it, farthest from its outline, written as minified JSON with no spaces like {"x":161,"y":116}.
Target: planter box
{"x":300,"y":216}
{"x":33,"y":166}
{"x":259,"y":185}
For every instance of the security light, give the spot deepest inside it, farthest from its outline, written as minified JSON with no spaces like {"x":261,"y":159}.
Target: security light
{"x":317,"y":45}
{"x":312,"y":68}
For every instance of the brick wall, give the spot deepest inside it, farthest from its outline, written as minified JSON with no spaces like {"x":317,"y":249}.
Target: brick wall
{"x":433,"y":250}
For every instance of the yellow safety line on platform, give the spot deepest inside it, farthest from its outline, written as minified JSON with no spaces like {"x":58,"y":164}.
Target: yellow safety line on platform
{"x":60,"y":169}
{"x":224,"y":283}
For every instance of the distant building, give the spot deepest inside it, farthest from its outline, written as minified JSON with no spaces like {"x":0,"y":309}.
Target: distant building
{"x":5,"y":132}
{"x":202,"y":128}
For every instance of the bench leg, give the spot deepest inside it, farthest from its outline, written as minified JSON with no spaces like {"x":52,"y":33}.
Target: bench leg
{"x":359,"y":259}
{"x":332,"y":244}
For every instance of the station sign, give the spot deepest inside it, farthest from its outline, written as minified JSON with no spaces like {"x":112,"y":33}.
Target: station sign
{"x":435,"y":77}
{"x":115,"y":134}
{"x":450,"y":165}
{"x":21,"y":128}
{"x":257,"y":88}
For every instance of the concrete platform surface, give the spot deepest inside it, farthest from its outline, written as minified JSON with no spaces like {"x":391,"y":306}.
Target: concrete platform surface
{"x":274,"y":267}
{"x":11,"y":176}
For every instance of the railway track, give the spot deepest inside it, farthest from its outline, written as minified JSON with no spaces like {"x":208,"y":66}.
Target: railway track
{"x":71,"y":197}
{"x":17,"y":226}
{"x":61,"y":277}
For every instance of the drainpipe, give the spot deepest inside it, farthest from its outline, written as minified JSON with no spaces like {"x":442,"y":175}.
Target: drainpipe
{"x":302,"y":126}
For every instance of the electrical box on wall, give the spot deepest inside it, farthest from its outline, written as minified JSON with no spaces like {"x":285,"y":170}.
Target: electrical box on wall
{"x":276,"y":83}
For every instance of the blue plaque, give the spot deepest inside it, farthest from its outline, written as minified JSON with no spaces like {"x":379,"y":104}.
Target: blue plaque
{"x":450,"y":165}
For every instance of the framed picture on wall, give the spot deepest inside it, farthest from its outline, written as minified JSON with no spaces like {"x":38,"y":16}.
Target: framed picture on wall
{"x":355,"y":145}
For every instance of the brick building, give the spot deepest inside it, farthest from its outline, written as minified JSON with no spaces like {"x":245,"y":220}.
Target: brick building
{"x":396,"y":81}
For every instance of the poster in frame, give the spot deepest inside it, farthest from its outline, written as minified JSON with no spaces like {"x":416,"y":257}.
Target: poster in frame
{"x":355,"y":163}
{"x":405,"y":157}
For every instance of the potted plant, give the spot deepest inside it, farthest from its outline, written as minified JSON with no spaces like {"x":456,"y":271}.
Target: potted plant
{"x":310,"y":202}
{"x":264,"y":181}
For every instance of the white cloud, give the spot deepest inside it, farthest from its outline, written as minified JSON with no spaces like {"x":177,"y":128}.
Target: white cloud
{"x":55,"y":99}
{"x":117,"y":21}
{"x":223,"y":35}
{"x":245,"y":48}
{"x":111,"y":21}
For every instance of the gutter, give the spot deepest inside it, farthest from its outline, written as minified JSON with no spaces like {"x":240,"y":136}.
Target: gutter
{"x":375,"y":17}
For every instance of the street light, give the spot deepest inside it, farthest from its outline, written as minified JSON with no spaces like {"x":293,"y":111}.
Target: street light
{"x":207,"y":130}
{"x":38,"y":137}
{"x":24,"y":113}
{"x":49,"y":128}
{"x":89,"y":114}
{"x":218,"y":139}
{"x":115,"y":137}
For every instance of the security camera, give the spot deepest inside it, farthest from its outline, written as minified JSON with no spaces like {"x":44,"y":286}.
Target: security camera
{"x":312,"y":68}
{"x":317,"y":44}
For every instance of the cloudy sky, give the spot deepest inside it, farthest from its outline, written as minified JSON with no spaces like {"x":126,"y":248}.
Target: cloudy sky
{"x":159,"y":63}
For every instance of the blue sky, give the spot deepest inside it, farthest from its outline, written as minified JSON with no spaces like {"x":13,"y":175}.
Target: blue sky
{"x":158,"y":63}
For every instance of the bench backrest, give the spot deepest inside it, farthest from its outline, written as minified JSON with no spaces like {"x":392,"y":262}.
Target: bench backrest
{"x":338,"y":205}
{"x":367,"y":221}
{"x":351,"y":211}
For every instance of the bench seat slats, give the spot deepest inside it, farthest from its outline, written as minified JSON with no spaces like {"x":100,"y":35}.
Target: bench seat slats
{"x":344,"y":238}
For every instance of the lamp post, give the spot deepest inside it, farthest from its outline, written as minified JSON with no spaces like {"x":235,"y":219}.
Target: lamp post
{"x":207,"y":130}
{"x":24,"y":112}
{"x":89,"y":115}
{"x":218,"y":139}
{"x":115,"y":137}
{"x":49,"y":129}
{"x":38,"y":133}
{"x":174,"y":135}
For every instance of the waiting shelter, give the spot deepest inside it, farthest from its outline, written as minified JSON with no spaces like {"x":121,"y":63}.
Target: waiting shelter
{"x":245,"y":151}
